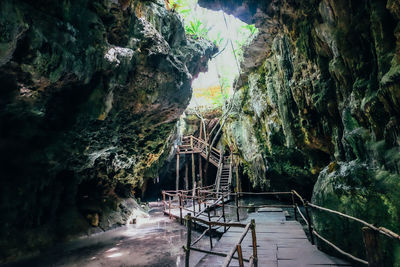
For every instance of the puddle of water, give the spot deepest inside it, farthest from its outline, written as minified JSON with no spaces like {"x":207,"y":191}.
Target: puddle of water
{"x":153,"y":241}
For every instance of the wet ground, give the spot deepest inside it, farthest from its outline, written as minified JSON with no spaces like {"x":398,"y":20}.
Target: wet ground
{"x":153,"y":241}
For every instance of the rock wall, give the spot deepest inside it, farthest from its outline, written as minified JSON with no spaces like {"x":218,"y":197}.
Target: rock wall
{"x":319,"y":101}
{"x":89,"y":93}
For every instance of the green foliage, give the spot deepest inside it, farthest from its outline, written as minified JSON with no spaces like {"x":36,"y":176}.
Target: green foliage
{"x":218,"y":40}
{"x":197,"y":29}
{"x":180,"y":6}
{"x":251,"y":28}
{"x":246,"y":35}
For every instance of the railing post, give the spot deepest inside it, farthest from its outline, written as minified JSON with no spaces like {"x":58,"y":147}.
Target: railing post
{"x":215,"y":208}
{"x":180,"y":207}
{"x":294,"y":207}
{"x":310,"y":230}
{"x":186,"y":174}
{"x":194,"y":205}
{"x":254,"y":239}
{"x":205,"y":196}
{"x":371,"y":241}
{"x":177,"y":172}
{"x":223,"y":214}
{"x":189,"y":239}
{"x":237,"y":206}
{"x":163,"y":197}
{"x":198,"y":198}
{"x":240,"y":255}
{"x":169,"y":204}
{"x":209,"y":226}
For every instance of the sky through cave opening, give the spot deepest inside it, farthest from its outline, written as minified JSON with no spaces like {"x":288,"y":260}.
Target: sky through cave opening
{"x":213,"y":88}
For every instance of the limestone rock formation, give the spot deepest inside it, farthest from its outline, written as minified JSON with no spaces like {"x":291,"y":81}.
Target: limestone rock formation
{"x":89,"y":93}
{"x":321,"y":99}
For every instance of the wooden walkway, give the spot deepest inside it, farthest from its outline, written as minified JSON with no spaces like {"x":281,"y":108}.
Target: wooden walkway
{"x":280,"y":243}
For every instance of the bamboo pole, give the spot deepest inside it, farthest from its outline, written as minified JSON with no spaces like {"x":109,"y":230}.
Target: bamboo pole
{"x":237,"y":207}
{"x":209,"y":227}
{"x":163,"y":197}
{"x":193,"y":172}
{"x":189,"y":239}
{"x":193,"y":167}
{"x":194,"y":206}
{"x":200,"y":237}
{"x":254,"y":241}
{"x":223,"y":213}
{"x":371,"y":241}
{"x":298,"y":195}
{"x":229,"y":257}
{"x":382,"y":230}
{"x":294,"y":207}
{"x":310,"y":228}
{"x":241,"y":225}
{"x":200,"y":171}
{"x":186,"y":174}
{"x":180,"y":207}
{"x":339,"y":250}
{"x":177,"y":172}
{"x":199,"y":198}
{"x":238,"y":189}
{"x":240,"y":255}
{"x":169,"y":204}
{"x":200,"y":162}
{"x":216,"y":253}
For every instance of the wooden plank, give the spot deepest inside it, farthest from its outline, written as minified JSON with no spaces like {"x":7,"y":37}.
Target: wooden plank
{"x":281,"y":243}
{"x":267,"y":209}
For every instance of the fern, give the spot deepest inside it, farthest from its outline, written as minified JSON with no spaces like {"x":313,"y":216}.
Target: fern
{"x":197,"y":29}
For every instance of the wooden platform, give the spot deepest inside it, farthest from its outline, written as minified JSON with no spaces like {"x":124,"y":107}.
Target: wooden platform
{"x":280,"y":243}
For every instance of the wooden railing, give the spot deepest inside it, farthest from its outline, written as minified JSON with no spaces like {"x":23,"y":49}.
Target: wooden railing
{"x":369,"y":230}
{"x":211,"y":199}
{"x":197,"y":145}
{"x":192,"y":200}
{"x":253,"y":260}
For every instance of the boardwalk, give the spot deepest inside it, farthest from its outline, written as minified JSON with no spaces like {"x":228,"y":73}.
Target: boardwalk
{"x":280,"y":243}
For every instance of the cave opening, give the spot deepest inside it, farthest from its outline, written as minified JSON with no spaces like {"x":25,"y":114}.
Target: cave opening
{"x":212,"y":90}
{"x":125,"y":114}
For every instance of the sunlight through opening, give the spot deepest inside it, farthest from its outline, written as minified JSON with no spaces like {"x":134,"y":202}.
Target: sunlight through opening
{"x":213,"y":88}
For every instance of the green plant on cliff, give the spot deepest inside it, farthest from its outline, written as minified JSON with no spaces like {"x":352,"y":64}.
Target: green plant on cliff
{"x":246,"y":34}
{"x":218,"y":39}
{"x":197,"y":29}
{"x":251,"y":28}
{"x":180,"y":6}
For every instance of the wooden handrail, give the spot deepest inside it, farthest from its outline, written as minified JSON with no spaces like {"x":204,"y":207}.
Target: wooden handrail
{"x":214,"y":223}
{"x":308,"y":221}
{"x":299,"y":196}
{"x":211,"y":206}
{"x":208,"y":194}
{"x":237,"y":246}
{"x":203,"y":142}
{"x":340,"y":250}
{"x":381,"y":230}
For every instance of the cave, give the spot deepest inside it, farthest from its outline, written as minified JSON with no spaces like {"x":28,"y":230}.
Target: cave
{"x":132,"y":128}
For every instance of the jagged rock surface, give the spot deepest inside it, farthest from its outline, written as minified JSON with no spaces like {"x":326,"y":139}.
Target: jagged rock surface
{"x":322,"y":98}
{"x":89,"y":93}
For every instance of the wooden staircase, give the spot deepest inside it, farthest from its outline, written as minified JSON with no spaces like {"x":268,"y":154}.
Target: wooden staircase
{"x":193,"y":145}
{"x":224,"y":175}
